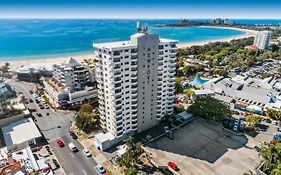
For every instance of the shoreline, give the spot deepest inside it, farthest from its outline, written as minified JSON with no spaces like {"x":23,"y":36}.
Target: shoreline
{"x":16,"y":64}
{"x":248,"y":33}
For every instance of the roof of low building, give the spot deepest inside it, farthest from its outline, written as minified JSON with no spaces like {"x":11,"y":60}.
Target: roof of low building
{"x":36,"y":67}
{"x":103,"y":137}
{"x":20,"y":131}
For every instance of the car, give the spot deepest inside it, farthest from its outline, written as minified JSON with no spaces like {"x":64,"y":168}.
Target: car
{"x":47,"y":107}
{"x":47,"y":113}
{"x":37,"y":101}
{"x":173,"y":166}
{"x":31,"y":92}
{"x":87,"y":153}
{"x":72,"y":135}
{"x":100,"y":169}
{"x":278,"y":129}
{"x":274,"y":122}
{"x":148,"y":137}
{"x":242,"y":118}
{"x":60,"y":142}
{"x":236,"y":124}
{"x":38,"y":114}
{"x":72,"y":147}
{"x":268,"y":120}
{"x":30,"y":100}
{"x":170,"y":135}
{"x":277,"y":136}
{"x":166,"y":129}
{"x":40,"y":106}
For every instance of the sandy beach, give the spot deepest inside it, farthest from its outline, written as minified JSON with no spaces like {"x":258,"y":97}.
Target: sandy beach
{"x":16,"y":64}
{"x":249,"y":33}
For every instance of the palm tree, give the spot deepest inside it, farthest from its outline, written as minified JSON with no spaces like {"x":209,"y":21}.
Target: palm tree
{"x":276,"y":170}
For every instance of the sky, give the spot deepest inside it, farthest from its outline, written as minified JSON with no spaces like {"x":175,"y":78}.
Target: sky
{"x":145,"y":9}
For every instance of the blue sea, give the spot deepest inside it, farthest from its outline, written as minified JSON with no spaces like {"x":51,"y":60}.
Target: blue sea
{"x":33,"y":38}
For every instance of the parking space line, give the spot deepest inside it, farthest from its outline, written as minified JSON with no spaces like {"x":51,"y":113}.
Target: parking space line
{"x":84,"y":171}
{"x":72,"y":155}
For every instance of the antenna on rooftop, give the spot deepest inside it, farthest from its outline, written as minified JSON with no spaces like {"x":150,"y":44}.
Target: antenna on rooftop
{"x":145,"y":28}
{"x":138,"y":26}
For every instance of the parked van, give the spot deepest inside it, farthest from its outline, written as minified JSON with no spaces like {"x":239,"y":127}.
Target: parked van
{"x":72,"y":147}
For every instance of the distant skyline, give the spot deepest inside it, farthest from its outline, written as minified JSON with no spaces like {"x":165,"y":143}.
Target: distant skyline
{"x":148,"y":9}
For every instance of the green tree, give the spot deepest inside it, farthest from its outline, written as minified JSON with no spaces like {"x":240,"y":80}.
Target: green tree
{"x":253,"y":120}
{"x":178,"y":86}
{"x":209,"y":108}
{"x":274,"y":114}
{"x":188,"y":92}
{"x":129,"y":160}
{"x":88,"y":119}
{"x":271,"y":155}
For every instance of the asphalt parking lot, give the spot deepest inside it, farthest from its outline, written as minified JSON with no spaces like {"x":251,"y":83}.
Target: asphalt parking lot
{"x":205,"y":148}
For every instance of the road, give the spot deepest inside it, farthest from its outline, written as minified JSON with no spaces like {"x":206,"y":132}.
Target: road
{"x":74,"y":163}
{"x":53,"y":126}
{"x":56,"y":125}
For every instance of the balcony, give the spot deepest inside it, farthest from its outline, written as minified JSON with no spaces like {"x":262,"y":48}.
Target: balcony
{"x":134,"y":116}
{"x":134,"y":57}
{"x":134,"y":122}
{"x":135,"y":86}
{"x":134,"y":63}
{"x":135,"y":127}
{"x":134,"y":51}
{"x":134,"y":91}
{"x":117,"y":73}
{"x":134,"y":102}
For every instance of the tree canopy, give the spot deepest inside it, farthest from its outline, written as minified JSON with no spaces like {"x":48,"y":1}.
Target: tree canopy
{"x":129,"y":160}
{"x":272,"y":158}
{"x":88,"y":119}
{"x":209,"y":108}
{"x":253,"y":120}
{"x":276,"y":115}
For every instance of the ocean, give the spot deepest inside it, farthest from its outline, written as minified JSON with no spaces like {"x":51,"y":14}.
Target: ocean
{"x":21,"y":39}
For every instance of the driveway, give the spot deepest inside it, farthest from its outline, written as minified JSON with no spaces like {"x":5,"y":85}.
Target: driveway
{"x":201,"y":148}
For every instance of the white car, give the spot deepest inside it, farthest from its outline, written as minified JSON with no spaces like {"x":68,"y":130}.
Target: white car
{"x":87,"y":153}
{"x":72,"y":147}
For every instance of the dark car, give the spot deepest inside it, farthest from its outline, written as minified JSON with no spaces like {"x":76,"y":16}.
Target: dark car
{"x":30,"y":100}
{"x":37,"y":101}
{"x":39,"y":114}
{"x":47,"y":113}
{"x":268,"y":120}
{"x":73,"y":135}
{"x":170,"y":135}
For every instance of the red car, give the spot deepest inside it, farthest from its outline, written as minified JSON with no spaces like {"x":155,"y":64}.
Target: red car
{"x":60,"y":143}
{"x":173,"y":166}
{"x":41,"y":106}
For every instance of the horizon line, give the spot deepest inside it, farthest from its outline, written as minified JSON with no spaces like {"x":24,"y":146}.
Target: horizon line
{"x":141,"y":18}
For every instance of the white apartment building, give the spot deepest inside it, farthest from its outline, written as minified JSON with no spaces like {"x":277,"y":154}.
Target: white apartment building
{"x":135,"y":82}
{"x":69,"y":84}
{"x":262,"y":39}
